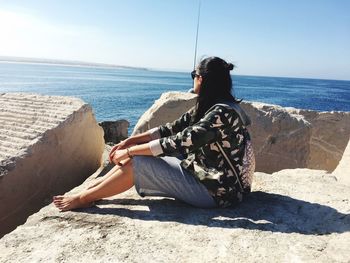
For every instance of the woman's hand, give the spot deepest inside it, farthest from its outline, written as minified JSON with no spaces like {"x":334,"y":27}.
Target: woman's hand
{"x":117,"y":156}
{"x":121,"y":145}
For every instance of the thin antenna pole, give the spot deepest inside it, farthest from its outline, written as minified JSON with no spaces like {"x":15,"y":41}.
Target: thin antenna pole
{"x":195,"y":48}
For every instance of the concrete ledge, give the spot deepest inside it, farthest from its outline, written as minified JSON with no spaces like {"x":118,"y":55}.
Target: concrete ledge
{"x":47,"y":146}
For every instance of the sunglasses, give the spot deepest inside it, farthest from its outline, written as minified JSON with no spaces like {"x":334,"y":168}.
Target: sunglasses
{"x":194,"y":74}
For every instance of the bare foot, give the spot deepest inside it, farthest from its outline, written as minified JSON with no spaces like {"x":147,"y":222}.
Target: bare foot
{"x":66,"y":203}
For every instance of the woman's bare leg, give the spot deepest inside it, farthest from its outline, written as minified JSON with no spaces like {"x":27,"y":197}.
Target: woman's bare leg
{"x":97,"y":181}
{"x":119,"y":181}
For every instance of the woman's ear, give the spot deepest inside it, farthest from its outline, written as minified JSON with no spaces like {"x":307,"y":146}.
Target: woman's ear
{"x":200,"y":79}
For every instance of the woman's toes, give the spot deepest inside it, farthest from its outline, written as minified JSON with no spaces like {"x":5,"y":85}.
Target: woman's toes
{"x":56,"y":202}
{"x":58,"y":197}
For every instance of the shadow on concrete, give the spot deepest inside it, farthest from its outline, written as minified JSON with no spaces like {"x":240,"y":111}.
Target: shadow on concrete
{"x":260,"y":211}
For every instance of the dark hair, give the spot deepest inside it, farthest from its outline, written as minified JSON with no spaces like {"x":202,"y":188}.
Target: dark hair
{"x":216,"y":84}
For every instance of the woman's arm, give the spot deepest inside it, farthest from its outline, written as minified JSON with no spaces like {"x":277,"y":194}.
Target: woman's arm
{"x":135,"y":140}
{"x":209,"y":129}
{"x":155,"y":133}
{"x":176,"y":126}
{"x":163,"y":130}
{"x":119,"y":155}
{"x":139,"y":138}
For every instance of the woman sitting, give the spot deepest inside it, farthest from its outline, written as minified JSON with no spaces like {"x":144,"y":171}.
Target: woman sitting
{"x":204,"y":158}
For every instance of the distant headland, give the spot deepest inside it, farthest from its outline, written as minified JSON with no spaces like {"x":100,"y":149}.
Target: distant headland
{"x":64,"y":62}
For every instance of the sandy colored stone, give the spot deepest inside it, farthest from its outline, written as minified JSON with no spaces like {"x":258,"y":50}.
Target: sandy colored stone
{"x":280,"y":139}
{"x":329,"y":136}
{"x":48,"y":144}
{"x":169,"y":107}
{"x":295,"y":215}
{"x":342,"y":172}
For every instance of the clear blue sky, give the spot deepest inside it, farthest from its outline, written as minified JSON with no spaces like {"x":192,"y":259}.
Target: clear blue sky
{"x":300,"y":38}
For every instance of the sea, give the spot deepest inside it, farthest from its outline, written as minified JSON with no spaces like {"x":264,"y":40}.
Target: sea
{"x":126,"y":93}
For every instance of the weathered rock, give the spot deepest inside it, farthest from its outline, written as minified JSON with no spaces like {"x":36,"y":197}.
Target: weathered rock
{"x":115,"y":131}
{"x":329,"y":136}
{"x":342,"y":172}
{"x":169,"y":107}
{"x":48,"y":145}
{"x":291,"y":216}
{"x":282,"y":137}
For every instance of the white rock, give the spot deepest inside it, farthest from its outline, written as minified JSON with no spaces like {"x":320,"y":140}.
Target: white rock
{"x":169,"y":107}
{"x":342,"y":172}
{"x":48,"y":144}
{"x":280,"y":139}
{"x":330,"y":133}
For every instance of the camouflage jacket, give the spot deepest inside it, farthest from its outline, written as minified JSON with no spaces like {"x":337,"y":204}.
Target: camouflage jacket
{"x":201,"y":157}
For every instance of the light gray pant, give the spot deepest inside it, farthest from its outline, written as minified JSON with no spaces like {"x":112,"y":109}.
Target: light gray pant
{"x":165,"y":177}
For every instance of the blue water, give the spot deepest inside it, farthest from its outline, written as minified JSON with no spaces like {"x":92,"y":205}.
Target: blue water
{"x":128,"y":93}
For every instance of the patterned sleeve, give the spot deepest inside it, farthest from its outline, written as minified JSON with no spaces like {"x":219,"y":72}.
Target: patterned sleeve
{"x":209,"y":129}
{"x":176,"y":126}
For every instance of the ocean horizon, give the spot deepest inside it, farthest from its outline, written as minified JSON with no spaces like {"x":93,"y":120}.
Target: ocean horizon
{"x":126,"y":93}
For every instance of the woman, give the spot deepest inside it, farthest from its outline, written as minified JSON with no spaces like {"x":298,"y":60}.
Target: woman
{"x":204,"y":158}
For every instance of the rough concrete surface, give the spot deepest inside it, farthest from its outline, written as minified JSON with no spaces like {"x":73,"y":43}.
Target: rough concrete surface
{"x":295,"y":215}
{"x":48,"y":144}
